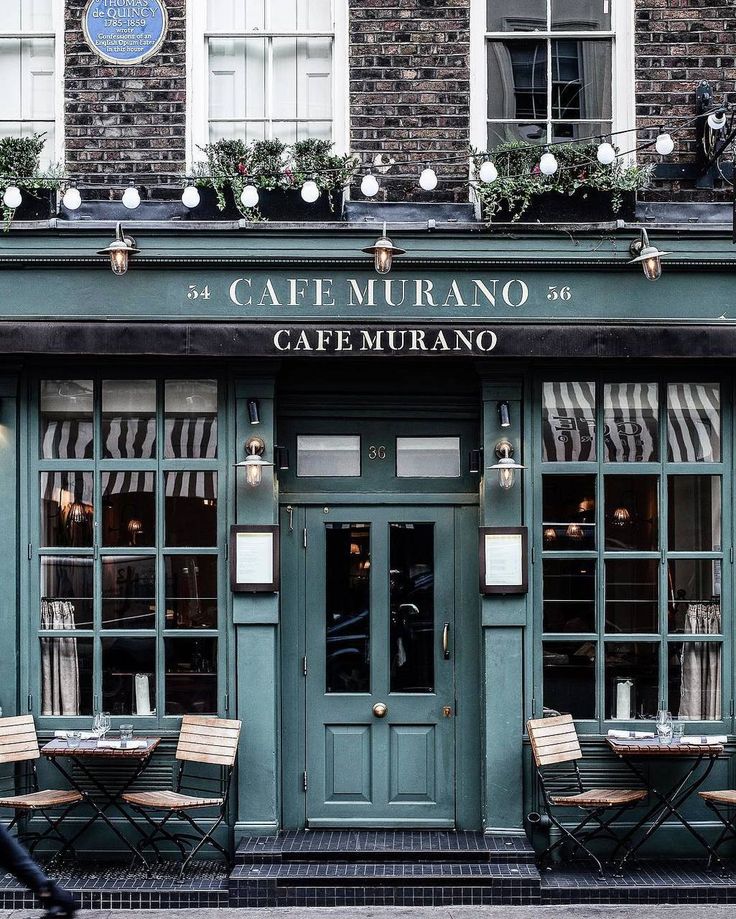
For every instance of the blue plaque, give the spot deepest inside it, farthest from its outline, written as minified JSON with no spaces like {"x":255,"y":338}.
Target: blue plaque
{"x":125,"y":31}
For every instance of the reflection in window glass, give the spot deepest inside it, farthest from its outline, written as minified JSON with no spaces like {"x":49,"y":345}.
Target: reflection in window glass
{"x":66,"y":419}
{"x":129,"y":419}
{"x":128,"y":592}
{"x":581,"y":15}
{"x":632,"y":592}
{"x":411,"y":561}
{"x":129,"y":676}
{"x":333,"y":455}
{"x":526,"y":16}
{"x":631,"y":509}
{"x":694,"y":522}
{"x":568,"y":422}
{"x":694,"y":677}
{"x":191,"y":676}
{"x":568,"y":511}
{"x":631,"y":422}
{"x":569,"y":595}
{"x":694,"y":585}
{"x":632,"y":680}
{"x":191,"y":419}
{"x":428,"y":457}
{"x":191,"y":508}
{"x":191,"y":591}
{"x":66,"y":592}
{"x":66,"y":676}
{"x":128,"y":509}
{"x":67,"y":509}
{"x":347,"y":613}
{"x":569,"y":678}
{"x":694,"y":422}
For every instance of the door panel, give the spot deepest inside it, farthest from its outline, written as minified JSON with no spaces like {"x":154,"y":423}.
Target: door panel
{"x":380,"y":603}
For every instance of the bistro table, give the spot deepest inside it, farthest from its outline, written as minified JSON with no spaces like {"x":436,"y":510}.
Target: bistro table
{"x":138,"y":753}
{"x":702,"y":756}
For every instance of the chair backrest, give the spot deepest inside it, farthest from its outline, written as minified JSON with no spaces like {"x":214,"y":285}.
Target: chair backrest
{"x":18,"y":741}
{"x":554,"y":740}
{"x":208,"y":740}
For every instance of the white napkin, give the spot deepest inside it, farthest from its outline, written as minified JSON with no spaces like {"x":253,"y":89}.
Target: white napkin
{"x":703,"y":740}
{"x":85,"y":735}
{"x":631,"y":735}
{"x":118,"y":745}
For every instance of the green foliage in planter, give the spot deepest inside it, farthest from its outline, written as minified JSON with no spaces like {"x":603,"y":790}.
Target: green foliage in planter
{"x":20,"y":164}
{"x":519,"y":177}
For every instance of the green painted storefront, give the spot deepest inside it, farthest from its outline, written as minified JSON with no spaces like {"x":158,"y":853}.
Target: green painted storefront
{"x":297,"y":320}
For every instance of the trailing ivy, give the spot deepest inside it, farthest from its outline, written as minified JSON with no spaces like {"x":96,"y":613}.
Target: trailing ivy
{"x":20,"y":164}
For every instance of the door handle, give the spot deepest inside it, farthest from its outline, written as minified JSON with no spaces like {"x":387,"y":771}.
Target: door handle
{"x":446,"y":641}
{"x":380,"y":709}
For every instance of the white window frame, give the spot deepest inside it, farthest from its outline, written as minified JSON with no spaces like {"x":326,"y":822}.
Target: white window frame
{"x":198,"y":81}
{"x":622,"y":78}
{"x":57,"y":34}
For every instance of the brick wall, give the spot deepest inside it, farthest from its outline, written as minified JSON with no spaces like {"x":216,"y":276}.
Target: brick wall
{"x":126,"y":124}
{"x":409,"y":91}
{"x":678,"y":44}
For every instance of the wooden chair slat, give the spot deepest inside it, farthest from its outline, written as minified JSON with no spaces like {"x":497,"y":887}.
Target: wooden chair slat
{"x":210,"y":721}
{"x":212,"y":758}
{"x":553,"y":731}
{"x":197,"y":731}
{"x":18,"y":720}
{"x":554,"y":740}
{"x":18,"y":757}
{"x":208,"y":740}
{"x":551,"y":739}
{"x":557,"y":758}
{"x":570,"y":746}
{"x":16,"y":730}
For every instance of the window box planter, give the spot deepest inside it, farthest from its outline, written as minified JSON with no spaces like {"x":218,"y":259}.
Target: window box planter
{"x":37,"y":204}
{"x":584,"y":205}
{"x":273,"y":204}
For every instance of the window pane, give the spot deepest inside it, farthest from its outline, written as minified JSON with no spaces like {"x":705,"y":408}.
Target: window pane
{"x":568,"y":422}
{"x":191,"y":508}
{"x":128,"y":509}
{"x":66,"y":676}
{"x":568,"y":511}
{"x":581,"y":15}
{"x":191,"y":591}
{"x":632,"y":680}
{"x":632,"y":592}
{"x":631,"y":422}
{"x":567,"y":131}
{"x":412,"y":607}
{"x":521,"y":16}
{"x":302,"y":69}
{"x":569,"y":678}
{"x":234,"y":16}
{"x":191,"y":676}
{"x":694,"y":422}
{"x":694,"y":507}
{"x":427,"y":457}
{"x":129,"y":419}
{"x":327,"y":455}
{"x":525,"y":133}
{"x":694,"y":586}
{"x":632,"y":513}
{"x":581,"y":80}
{"x":569,"y":595}
{"x":66,"y":593}
{"x":26,"y":15}
{"x":27,"y":72}
{"x":66,"y":419}
{"x":347,"y":613}
{"x":129,"y":592}
{"x":237,"y":74}
{"x":129,"y":676}
{"x":66,"y":509}
{"x":191,"y":419}
{"x":695,"y":676}
{"x":517,"y":79}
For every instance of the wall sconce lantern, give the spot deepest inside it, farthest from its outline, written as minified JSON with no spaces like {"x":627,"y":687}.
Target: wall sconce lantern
{"x":648,"y":256}
{"x":475,"y":462}
{"x":254,"y":411}
{"x":506,"y":465}
{"x":254,"y":464}
{"x":281,"y":458}
{"x":383,"y":252}
{"x":119,"y":251}
{"x":504,"y":415}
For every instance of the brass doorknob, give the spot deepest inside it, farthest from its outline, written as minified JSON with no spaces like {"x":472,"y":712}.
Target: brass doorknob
{"x":380,"y":710}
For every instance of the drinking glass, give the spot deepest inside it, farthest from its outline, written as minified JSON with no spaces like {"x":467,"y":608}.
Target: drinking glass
{"x":97,"y":724}
{"x":664,"y":726}
{"x":678,"y":731}
{"x":106,"y":722}
{"x":126,"y":734}
{"x":73,"y":739}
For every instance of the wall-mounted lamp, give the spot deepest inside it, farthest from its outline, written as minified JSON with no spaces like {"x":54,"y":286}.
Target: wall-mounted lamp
{"x":281,"y":458}
{"x":475,"y":462}
{"x":119,"y":251}
{"x":648,"y":256}
{"x":383,"y":252}
{"x":254,"y":464}
{"x":504,"y":415}
{"x":506,"y":465}
{"x":254,"y":411}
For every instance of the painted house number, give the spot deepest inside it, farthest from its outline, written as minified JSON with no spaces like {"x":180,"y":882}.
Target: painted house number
{"x":376,"y":453}
{"x":564,"y":293}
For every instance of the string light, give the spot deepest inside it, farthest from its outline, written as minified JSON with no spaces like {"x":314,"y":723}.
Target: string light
{"x":249,"y":196}
{"x":12,"y":197}
{"x":664,"y":145}
{"x":369,"y":186}
{"x":548,"y":164}
{"x":72,"y":199}
{"x":310,"y":191}
{"x":488,"y":172}
{"x":605,"y":154}
{"x":717,"y":120}
{"x":131,"y":198}
{"x":190,"y":197}
{"x":428,"y":179}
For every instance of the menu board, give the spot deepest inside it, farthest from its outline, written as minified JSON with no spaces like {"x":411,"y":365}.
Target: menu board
{"x":254,"y":559}
{"x":503,"y":560}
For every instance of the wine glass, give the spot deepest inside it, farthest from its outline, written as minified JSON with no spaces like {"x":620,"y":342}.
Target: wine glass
{"x":664,"y":726}
{"x":105,"y":723}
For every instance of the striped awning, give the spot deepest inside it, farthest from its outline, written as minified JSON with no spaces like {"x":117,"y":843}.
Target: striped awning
{"x":127,"y":437}
{"x":191,"y":437}
{"x":694,"y":422}
{"x":67,"y":439}
{"x":631,"y":413}
{"x":130,"y":438}
{"x":65,"y":488}
{"x":568,"y":422}
{"x":127,"y":483}
{"x":191,"y":485}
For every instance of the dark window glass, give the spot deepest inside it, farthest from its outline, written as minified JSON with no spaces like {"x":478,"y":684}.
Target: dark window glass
{"x":67,"y":509}
{"x":569,"y":678}
{"x":66,"y":592}
{"x":411,"y":562}
{"x":129,"y":676}
{"x":568,"y":422}
{"x":694,"y":422}
{"x":526,"y":16}
{"x":129,"y":419}
{"x":632,"y":680}
{"x":569,"y":595}
{"x":66,"y":419}
{"x":694,"y":675}
{"x":631,"y":509}
{"x":191,"y":591}
{"x":66,"y":676}
{"x":191,"y":676}
{"x":191,"y":419}
{"x":128,"y":592}
{"x":631,"y":422}
{"x":694,"y":505}
{"x":581,"y":80}
{"x":632,"y":592}
{"x":347,"y":613}
{"x":694,"y":586}
{"x":568,"y":510}
{"x":128,"y":509}
{"x":581,"y":15}
{"x":524,"y":133}
{"x":517,"y":79}
{"x":191,"y":508}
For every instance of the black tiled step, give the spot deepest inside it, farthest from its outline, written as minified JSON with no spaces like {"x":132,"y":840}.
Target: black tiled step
{"x":382,"y":846}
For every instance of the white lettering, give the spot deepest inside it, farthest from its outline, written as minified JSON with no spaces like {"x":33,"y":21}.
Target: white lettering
{"x":417,"y":340}
{"x":296,"y":293}
{"x":440,"y":343}
{"x":424,"y":289}
{"x":343,"y":340}
{"x":365,"y":297}
{"x":268,"y":291}
{"x":523,"y":291}
{"x":234,"y":292}
{"x":324,"y":339}
{"x":454,"y":293}
{"x":492,"y":338}
{"x":303,"y":343}
{"x":489,"y":294}
{"x":371,"y":344}
{"x":323,"y":292}
{"x":388,"y":286}
{"x":277,"y":340}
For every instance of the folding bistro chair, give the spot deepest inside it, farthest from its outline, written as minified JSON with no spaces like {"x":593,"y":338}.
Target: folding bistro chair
{"x":721,"y":802}
{"x":556,"y":751}
{"x":19,"y":744}
{"x":203,"y":740}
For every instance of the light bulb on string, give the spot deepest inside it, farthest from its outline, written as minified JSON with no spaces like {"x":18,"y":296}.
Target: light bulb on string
{"x":72,"y":199}
{"x":488,"y":172}
{"x":369,"y":186}
{"x":605,"y":154}
{"x":548,"y":164}
{"x":428,"y":179}
{"x":190,"y":197}
{"x":249,"y":196}
{"x":131,"y":198}
{"x":664,"y":145}
{"x":310,"y":191}
{"x":12,"y":197}
{"x":717,"y":120}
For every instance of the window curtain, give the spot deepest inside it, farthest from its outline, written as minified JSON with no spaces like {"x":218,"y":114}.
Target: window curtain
{"x":700,"y":690}
{"x":59,"y":661}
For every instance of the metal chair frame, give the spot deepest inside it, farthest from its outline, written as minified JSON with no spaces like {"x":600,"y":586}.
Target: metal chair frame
{"x":729,"y":828}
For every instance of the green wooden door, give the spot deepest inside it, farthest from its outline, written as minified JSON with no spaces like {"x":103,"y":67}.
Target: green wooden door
{"x":379,"y":632}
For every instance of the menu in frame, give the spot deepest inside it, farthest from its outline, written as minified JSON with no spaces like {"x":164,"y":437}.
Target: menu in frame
{"x":503,"y":560}
{"x":254,"y":559}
